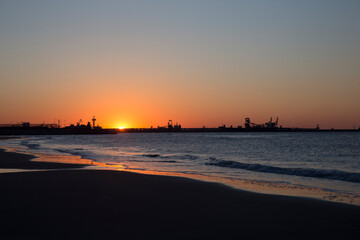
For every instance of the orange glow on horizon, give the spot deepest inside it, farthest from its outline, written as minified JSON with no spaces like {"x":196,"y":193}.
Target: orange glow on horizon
{"x":129,"y":78}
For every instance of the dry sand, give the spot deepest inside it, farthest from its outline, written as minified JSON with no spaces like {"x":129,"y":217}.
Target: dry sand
{"x":103,"y":204}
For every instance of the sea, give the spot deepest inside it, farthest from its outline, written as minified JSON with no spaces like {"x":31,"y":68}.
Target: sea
{"x":324,"y":165}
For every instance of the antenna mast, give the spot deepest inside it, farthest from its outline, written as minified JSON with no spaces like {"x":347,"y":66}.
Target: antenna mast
{"x":93,"y":120}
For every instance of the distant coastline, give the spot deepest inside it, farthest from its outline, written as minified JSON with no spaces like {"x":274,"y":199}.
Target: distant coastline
{"x":25,"y":128}
{"x":75,"y":131}
{"x":184,"y":130}
{"x":54,"y":131}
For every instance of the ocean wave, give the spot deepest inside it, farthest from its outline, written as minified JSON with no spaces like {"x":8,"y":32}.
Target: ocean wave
{"x":62,"y":150}
{"x":182,"y":157}
{"x":152,"y":155}
{"x":30,"y":145}
{"x":187,"y":156}
{"x":303,"y":172}
{"x":142,"y":161}
{"x":166,"y":161}
{"x":73,"y":152}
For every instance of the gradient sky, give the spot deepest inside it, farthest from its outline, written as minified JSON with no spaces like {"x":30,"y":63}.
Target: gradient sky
{"x":141,"y":63}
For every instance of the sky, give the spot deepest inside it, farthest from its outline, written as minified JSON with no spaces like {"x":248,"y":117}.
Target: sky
{"x":200,"y":63}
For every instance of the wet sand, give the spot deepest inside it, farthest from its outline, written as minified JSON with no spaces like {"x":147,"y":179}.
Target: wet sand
{"x":104,"y":204}
{"x":14,"y":160}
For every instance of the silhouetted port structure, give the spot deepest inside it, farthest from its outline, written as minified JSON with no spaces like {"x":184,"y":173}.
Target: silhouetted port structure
{"x":270,"y":126}
{"x":26,"y":128}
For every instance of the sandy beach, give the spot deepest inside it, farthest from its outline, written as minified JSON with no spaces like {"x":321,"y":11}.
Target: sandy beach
{"x":104,"y":204}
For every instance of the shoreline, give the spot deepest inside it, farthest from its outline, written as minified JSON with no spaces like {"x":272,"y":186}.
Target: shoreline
{"x":16,"y":160}
{"x":38,"y":161}
{"x":106,"y":203}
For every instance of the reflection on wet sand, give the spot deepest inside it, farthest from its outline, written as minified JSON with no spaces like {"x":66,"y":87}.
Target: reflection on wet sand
{"x":76,"y":160}
{"x":62,"y":159}
{"x":66,"y":159}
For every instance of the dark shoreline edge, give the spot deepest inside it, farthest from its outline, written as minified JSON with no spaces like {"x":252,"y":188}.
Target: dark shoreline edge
{"x":14,"y":160}
{"x":107,"y":204}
